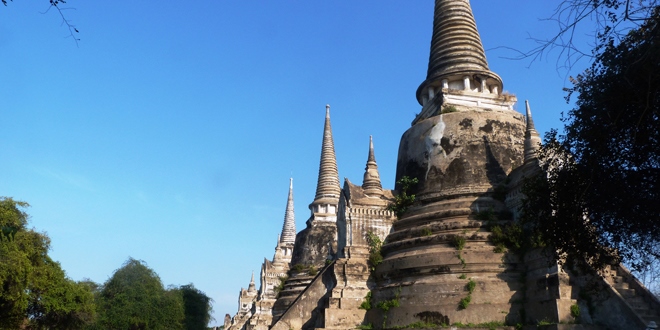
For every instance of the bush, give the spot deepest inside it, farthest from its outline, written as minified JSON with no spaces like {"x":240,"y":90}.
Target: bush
{"x":458,"y":242}
{"x":465,"y":302}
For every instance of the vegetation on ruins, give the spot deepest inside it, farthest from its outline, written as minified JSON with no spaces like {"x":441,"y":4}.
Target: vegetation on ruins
{"x":469,"y":287}
{"x":304,"y":268}
{"x":403,"y":200}
{"x":458,"y":242}
{"x":280,"y":285}
{"x":575,"y":311}
{"x":448,"y":109}
{"x":34,"y":290}
{"x":366,"y":303}
{"x":599,"y":200}
{"x":375,"y":245}
{"x":386,"y":305}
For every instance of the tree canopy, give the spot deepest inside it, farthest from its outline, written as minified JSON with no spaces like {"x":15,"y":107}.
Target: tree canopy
{"x":35,"y":293}
{"x":601,"y":197}
{"x":135,"y":298}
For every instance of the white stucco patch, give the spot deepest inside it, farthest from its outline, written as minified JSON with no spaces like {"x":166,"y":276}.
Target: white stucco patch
{"x":432,"y":141}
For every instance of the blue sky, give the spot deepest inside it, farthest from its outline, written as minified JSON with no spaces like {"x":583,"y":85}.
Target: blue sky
{"x":169,"y":134}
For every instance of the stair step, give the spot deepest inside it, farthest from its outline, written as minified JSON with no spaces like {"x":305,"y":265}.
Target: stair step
{"x":621,"y":286}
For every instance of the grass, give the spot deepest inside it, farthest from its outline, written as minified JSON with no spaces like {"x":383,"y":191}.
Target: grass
{"x":458,"y":242}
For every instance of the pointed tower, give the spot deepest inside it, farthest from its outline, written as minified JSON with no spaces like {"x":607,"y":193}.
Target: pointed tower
{"x":532,"y":137}
{"x":289,"y":227}
{"x":371,"y":182}
{"x":252,"y":288}
{"x":311,"y":246}
{"x":458,"y":75}
{"x":286,"y":241}
{"x":461,"y":148}
{"x":327,"y":188}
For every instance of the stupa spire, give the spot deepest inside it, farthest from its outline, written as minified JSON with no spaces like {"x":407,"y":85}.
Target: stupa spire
{"x":532,"y":137}
{"x":371,"y":182}
{"x":327,"y":188}
{"x":289,"y":227}
{"x":457,"y":60}
{"x":252,"y":287}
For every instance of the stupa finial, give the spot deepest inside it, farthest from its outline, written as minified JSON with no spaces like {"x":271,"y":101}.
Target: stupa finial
{"x":289,"y":227}
{"x":532,"y":137}
{"x":371,"y":182}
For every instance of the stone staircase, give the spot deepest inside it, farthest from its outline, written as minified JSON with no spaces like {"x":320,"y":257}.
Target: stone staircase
{"x":293,"y":287}
{"x":643,"y":302}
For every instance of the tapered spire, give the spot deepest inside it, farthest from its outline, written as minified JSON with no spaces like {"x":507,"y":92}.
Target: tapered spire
{"x":532,"y":137}
{"x":457,"y":59}
{"x":289,"y":227}
{"x":252,"y":287}
{"x":371,"y":182}
{"x":327,"y":189}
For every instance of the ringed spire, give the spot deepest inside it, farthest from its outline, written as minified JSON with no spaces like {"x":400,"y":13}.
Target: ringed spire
{"x":371,"y":182}
{"x":288,"y":235}
{"x":327,"y":188}
{"x":532,"y":137}
{"x":457,"y":59}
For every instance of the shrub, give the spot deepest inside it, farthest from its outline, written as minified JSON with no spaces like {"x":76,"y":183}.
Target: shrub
{"x":575,"y":311}
{"x":465,"y":302}
{"x":458,"y":242}
{"x":470,"y":286}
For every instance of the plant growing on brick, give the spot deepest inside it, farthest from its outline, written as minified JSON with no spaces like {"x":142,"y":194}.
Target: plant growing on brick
{"x":403,"y":200}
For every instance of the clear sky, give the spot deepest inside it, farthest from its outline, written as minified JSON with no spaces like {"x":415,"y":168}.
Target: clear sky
{"x":170,"y":133}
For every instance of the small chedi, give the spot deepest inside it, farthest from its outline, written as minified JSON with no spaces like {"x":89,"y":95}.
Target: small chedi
{"x":375,"y":258}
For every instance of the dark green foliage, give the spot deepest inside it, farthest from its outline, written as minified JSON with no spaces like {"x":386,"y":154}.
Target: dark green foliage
{"x":426,"y":232}
{"x":403,"y":200}
{"x":600,"y":199}
{"x":302,"y":268}
{"x":197,"y":308}
{"x":575,"y":311}
{"x":387,"y":304}
{"x":34,"y":290}
{"x":462,"y":277}
{"x":465,"y":302}
{"x":470,"y":286}
{"x":134,"y":298}
{"x":375,"y":245}
{"x":366,"y":304}
{"x":461,"y":259}
{"x":280,"y":286}
{"x":448,"y":109}
{"x":512,"y":237}
{"x":458,"y":242}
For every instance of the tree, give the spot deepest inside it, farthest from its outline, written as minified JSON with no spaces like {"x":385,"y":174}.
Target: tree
{"x":134,"y":298}
{"x":34,"y":291}
{"x":601,"y":197}
{"x":197,"y":307}
{"x":57,"y":5}
{"x":605,"y":20}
